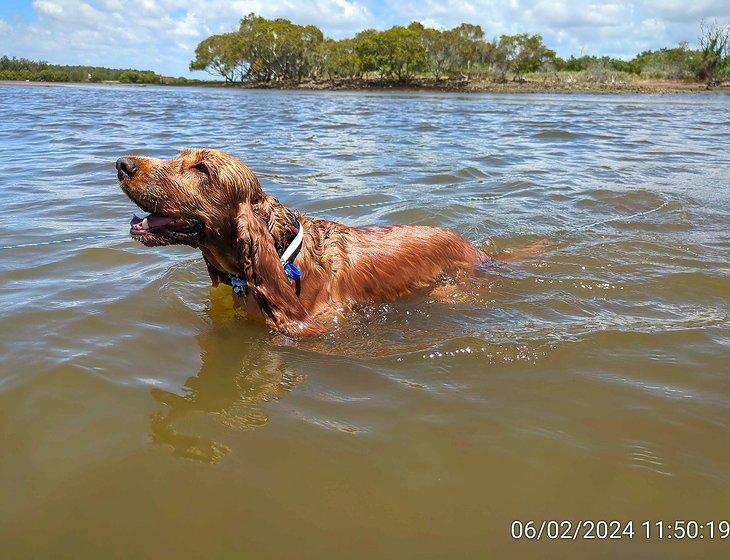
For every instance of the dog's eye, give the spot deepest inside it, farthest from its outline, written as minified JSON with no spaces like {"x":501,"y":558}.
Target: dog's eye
{"x":202,"y":168}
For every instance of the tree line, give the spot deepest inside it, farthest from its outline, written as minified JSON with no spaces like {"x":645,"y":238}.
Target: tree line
{"x":40,"y":71}
{"x":278,"y":50}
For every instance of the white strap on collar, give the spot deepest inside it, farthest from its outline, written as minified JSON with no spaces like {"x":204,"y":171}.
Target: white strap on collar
{"x":294,"y":245}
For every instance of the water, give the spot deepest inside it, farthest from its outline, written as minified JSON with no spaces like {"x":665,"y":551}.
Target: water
{"x":142,"y":416}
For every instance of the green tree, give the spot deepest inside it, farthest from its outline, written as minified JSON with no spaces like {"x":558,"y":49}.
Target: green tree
{"x":523,"y":53}
{"x":468,"y":44}
{"x":396,"y":53}
{"x":439,"y":52}
{"x":457,"y":49}
{"x":406,"y":55}
{"x":339,"y":59}
{"x":279,"y":49}
{"x":222,"y":55}
{"x":369,"y":50}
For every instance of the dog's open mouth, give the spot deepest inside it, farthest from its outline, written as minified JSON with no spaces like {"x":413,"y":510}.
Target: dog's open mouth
{"x":155,"y":230}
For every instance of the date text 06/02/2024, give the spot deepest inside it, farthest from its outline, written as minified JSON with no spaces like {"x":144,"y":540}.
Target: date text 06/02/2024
{"x":614,"y":529}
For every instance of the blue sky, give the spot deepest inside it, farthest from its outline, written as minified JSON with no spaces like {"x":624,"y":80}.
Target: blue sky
{"x":161,"y":35}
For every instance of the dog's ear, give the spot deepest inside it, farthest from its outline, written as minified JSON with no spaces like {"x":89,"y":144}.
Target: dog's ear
{"x":261,"y":268}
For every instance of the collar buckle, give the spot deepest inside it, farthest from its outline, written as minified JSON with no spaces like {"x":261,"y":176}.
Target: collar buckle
{"x":239,"y":286}
{"x":292,"y":271}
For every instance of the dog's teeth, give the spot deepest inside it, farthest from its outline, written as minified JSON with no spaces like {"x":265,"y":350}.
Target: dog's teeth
{"x":144,"y":224}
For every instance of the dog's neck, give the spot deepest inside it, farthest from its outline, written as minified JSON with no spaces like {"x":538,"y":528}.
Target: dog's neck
{"x":278,"y":219}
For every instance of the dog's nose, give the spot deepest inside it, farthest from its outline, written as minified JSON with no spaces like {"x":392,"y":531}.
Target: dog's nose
{"x":126,"y":168}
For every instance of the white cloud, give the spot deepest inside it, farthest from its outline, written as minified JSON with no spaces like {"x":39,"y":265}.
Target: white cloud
{"x":681,"y":10}
{"x":162,"y":34}
{"x":564,"y":15}
{"x":49,"y":8}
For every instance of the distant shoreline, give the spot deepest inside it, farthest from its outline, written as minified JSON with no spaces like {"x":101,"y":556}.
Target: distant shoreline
{"x":38,"y":83}
{"x":547,"y":85}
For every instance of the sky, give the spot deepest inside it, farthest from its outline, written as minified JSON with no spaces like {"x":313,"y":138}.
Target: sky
{"x":161,"y":35}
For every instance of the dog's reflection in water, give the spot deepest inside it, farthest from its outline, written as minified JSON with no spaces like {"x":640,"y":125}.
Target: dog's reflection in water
{"x":239,"y":371}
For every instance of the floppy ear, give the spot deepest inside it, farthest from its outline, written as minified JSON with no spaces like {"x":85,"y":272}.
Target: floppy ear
{"x":265,"y":276}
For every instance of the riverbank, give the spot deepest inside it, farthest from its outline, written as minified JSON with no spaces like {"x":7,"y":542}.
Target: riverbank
{"x":542,"y":84}
{"x":546,"y":84}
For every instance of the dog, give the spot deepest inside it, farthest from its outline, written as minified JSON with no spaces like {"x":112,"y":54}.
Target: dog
{"x":295,"y":270}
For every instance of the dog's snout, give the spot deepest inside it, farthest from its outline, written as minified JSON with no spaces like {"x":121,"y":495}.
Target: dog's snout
{"x":126,"y":168}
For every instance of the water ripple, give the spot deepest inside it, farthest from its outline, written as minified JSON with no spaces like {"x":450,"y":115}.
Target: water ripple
{"x":625,"y":319}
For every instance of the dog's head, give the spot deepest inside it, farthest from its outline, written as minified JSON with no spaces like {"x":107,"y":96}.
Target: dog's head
{"x":190,"y":198}
{"x":206,"y":198}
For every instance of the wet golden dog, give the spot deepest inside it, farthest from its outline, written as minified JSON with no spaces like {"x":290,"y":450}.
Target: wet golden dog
{"x":208,"y":199}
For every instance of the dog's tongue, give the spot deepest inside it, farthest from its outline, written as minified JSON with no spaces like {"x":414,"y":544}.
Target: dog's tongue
{"x":150,"y":222}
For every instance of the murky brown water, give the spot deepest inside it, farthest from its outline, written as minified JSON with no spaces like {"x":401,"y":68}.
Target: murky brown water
{"x":141,"y":417}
